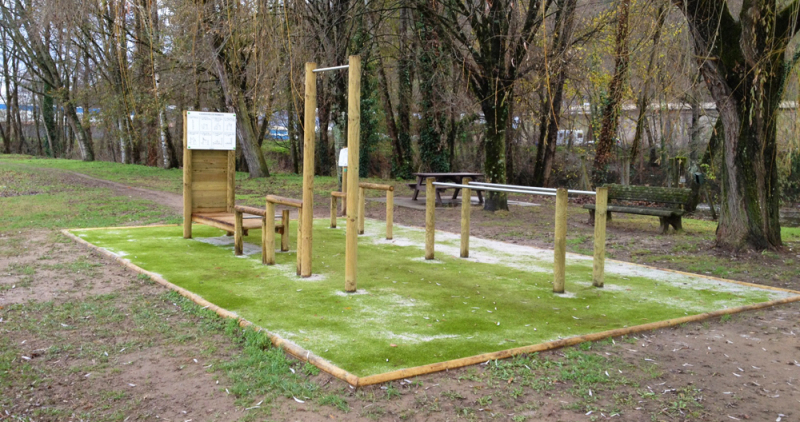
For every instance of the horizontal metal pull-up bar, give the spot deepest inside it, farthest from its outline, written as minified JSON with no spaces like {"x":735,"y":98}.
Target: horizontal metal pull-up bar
{"x":532,"y":188}
{"x":492,"y":189}
{"x":324,"y":69}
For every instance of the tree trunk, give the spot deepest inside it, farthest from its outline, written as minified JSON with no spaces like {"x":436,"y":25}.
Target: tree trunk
{"x":84,"y":143}
{"x":496,"y":113}
{"x":644,"y":94}
{"x":405,"y":70}
{"x":608,"y":131}
{"x":553,"y":94}
{"x":747,"y":83}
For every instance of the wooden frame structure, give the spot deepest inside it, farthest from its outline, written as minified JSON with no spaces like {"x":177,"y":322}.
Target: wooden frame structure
{"x":209,"y":198}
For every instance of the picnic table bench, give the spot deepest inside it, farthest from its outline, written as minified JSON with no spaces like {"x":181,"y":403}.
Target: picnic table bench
{"x":457,"y":178}
{"x":670,"y":215}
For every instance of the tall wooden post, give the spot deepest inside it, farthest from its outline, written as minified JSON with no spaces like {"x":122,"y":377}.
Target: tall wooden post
{"x":230,"y":199}
{"x":309,"y":141}
{"x":389,"y":213}
{"x":353,"y":140}
{"x":560,"y":243}
{"x":299,"y":239}
{"x":362,"y":205}
{"x":600,"y":211}
{"x":344,"y":189}
{"x":466,"y":210}
{"x":268,"y":236}
{"x":187,"y":184}
{"x":430,"y":218}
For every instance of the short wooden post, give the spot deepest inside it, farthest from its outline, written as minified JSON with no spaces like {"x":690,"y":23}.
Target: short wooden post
{"x":238,"y":233}
{"x":230,"y":198}
{"x":309,"y":141}
{"x":600,"y":211}
{"x":268,"y":236}
{"x":466,"y":210}
{"x":389,"y":213}
{"x":333,"y":211}
{"x":285,"y":235}
{"x":187,"y":185}
{"x":362,"y":205}
{"x":353,"y":139}
{"x":430,"y":218}
{"x":560,"y":243}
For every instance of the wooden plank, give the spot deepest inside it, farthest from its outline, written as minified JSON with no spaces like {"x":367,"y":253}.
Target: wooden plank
{"x":204,"y":210}
{"x":282,"y":200}
{"x":339,"y":194}
{"x":220,"y":185}
{"x":252,"y":210}
{"x":375,"y":186}
{"x":649,"y":194}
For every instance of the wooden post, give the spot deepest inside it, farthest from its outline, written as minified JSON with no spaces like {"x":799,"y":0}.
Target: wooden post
{"x":238,"y":233}
{"x":187,"y":184}
{"x":299,"y":239}
{"x":344,"y":189}
{"x":389,"y":213}
{"x":353,"y":139}
{"x":309,"y":141}
{"x":334,"y":208}
{"x":466,"y":210}
{"x":430,"y":218}
{"x":285,"y":235}
{"x":362,"y":205}
{"x":230,"y":199}
{"x":601,"y":207}
{"x":268,"y":236}
{"x":560,"y":243}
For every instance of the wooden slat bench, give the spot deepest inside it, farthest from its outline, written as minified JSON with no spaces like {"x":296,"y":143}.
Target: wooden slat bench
{"x":670,"y":215}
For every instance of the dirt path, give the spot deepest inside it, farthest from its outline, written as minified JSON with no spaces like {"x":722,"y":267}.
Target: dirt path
{"x":169,"y":200}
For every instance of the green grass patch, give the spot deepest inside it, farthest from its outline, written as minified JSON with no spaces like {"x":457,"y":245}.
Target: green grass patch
{"x":408,"y":311}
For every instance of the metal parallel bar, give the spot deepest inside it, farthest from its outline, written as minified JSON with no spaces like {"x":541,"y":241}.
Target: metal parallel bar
{"x":492,"y":189}
{"x":323,"y":69}
{"x":576,"y":192}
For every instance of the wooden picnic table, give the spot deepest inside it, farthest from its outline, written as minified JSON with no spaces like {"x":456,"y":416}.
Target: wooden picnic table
{"x":457,"y":178}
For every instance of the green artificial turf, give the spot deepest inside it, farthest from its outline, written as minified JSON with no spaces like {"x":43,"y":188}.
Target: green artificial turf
{"x":407,"y":311}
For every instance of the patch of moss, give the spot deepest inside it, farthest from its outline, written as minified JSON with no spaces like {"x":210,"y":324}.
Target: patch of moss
{"x":408,"y":311}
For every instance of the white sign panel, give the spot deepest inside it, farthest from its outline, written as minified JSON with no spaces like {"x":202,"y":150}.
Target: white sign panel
{"x":206,"y":130}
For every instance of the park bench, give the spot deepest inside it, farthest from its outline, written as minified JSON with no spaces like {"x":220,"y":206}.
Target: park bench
{"x":674,"y":200}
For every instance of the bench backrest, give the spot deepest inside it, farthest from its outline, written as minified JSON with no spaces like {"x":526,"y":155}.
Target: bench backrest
{"x":210,"y":181}
{"x":650,"y":194}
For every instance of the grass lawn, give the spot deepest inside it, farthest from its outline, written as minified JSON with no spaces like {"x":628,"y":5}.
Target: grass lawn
{"x":407,"y":311}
